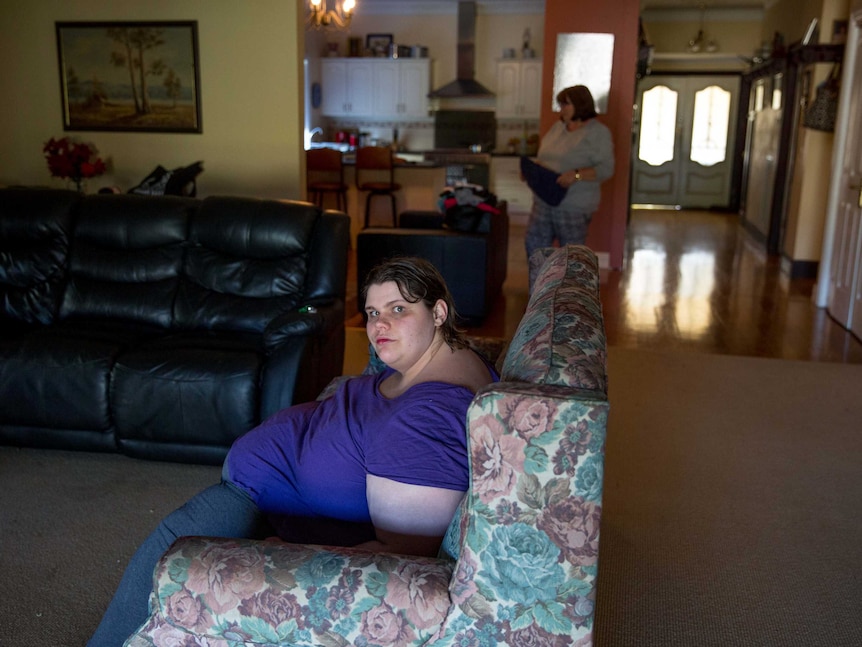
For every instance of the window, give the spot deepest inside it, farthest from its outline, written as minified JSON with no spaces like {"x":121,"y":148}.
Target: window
{"x":658,"y":125}
{"x":709,"y":126}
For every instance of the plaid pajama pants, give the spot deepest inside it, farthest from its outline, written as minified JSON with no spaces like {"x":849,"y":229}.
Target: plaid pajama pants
{"x":548,"y":223}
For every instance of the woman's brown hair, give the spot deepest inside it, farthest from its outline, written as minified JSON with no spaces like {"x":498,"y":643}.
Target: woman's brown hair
{"x":418,"y":280}
{"x":581,"y":99}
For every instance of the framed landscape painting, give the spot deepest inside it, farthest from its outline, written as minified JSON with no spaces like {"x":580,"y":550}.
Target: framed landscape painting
{"x":130,"y":76}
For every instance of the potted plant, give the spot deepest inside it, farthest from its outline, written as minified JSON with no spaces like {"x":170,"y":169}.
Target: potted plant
{"x":75,"y":161}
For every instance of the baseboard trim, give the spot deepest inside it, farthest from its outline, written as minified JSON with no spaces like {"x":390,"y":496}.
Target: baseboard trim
{"x":604,"y":260}
{"x":799,"y":269}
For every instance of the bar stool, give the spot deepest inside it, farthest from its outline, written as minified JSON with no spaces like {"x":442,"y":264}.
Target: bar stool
{"x":375,"y":173}
{"x":325,"y":174}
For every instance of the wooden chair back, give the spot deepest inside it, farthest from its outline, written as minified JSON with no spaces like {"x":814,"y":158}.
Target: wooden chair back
{"x":375,"y":162}
{"x":324,"y":164}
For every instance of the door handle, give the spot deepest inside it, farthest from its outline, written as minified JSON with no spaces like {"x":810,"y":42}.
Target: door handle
{"x":857,"y":187}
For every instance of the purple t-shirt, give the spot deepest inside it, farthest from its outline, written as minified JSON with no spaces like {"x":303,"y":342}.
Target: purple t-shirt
{"x":312,"y":459}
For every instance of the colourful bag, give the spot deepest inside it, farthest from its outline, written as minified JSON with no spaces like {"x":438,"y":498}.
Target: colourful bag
{"x":820,"y":115}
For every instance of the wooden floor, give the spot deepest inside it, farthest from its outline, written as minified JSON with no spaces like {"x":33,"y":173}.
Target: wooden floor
{"x":693,"y":281}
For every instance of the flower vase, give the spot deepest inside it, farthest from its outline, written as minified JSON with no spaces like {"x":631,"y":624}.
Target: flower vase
{"x":79,"y":184}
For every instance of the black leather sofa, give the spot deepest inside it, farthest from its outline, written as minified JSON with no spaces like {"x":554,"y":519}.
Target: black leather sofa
{"x":473,"y":263}
{"x":163,"y":327}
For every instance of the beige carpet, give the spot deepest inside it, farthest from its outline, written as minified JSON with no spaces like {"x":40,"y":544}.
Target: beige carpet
{"x":733,"y":493}
{"x":733,"y":502}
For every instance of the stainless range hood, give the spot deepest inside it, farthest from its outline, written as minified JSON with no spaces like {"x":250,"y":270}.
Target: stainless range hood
{"x":464,"y":85}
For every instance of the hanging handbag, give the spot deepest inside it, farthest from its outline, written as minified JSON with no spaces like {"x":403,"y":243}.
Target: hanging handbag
{"x":820,"y":115}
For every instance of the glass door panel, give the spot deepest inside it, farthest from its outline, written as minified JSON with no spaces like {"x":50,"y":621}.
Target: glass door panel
{"x":658,"y":125}
{"x":709,"y":131}
{"x":684,"y":153}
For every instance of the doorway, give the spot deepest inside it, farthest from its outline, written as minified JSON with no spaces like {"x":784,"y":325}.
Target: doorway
{"x":845,"y":275}
{"x":684,"y":153}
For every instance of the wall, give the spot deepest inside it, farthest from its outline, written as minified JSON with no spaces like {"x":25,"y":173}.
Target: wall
{"x":250,"y":69}
{"x":806,"y":210}
{"x":790,"y":18}
{"x":433,"y":24}
{"x":619,"y":17}
{"x":500,"y":24}
{"x":736,"y":33}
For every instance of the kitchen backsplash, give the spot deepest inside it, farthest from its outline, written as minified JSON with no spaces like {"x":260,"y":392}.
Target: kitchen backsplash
{"x":418,"y":135}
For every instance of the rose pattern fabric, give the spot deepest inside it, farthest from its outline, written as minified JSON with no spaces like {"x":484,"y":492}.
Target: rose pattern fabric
{"x":524,"y":545}
{"x":560,"y":339}
{"x":536,"y":543}
{"x":302,"y":595}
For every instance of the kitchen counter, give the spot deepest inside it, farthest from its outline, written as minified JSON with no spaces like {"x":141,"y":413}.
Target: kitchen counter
{"x":350,"y":160}
{"x":421,"y":184}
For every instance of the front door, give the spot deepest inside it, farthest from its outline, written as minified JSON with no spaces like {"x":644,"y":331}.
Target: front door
{"x":684,"y":153}
{"x":845,"y":290}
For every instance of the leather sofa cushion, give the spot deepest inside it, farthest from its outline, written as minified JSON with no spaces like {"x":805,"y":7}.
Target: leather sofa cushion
{"x":436,"y":220}
{"x":461,"y":258}
{"x":35,"y":230}
{"x":63,"y":374}
{"x":208,"y":377}
{"x":127,"y":256}
{"x":246,"y":264}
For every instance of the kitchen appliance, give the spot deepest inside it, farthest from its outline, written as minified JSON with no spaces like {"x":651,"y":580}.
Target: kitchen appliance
{"x":464,"y":85}
{"x":463,"y":166}
{"x":463,"y":140}
{"x":463,"y":129}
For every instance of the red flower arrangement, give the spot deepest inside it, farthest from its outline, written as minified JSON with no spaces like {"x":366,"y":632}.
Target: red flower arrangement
{"x":72,"y":160}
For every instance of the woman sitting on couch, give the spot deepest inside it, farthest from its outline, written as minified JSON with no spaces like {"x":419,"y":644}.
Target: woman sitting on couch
{"x":385,"y":453}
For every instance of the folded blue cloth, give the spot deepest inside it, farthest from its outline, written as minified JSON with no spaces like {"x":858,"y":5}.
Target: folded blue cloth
{"x":542,"y":181}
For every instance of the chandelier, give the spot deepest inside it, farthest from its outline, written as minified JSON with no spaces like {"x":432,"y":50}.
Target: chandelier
{"x":320,"y":16}
{"x":700,"y":43}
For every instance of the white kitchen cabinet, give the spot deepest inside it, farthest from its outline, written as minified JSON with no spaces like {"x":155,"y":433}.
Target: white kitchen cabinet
{"x":519,"y":89}
{"x":346,"y":87}
{"x":379,"y":87}
{"x":506,"y":184}
{"x":401,"y":87}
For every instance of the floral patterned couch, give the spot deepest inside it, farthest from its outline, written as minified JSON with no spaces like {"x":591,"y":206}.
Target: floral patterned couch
{"x":518,"y":565}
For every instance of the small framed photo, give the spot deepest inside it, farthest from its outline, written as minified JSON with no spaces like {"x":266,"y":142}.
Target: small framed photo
{"x":378,"y":44}
{"x":839,"y":32}
{"x":130,"y":76}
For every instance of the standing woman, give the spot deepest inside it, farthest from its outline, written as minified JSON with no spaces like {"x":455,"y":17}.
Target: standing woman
{"x":579,"y":148}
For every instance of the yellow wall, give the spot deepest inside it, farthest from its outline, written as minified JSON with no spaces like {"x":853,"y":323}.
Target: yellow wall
{"x":790,"y":18}
{"x":807,"y":210}
{"x":812,"y":168}
{"x":732,"y":36}
{"x":438,"y":32}
{"x":250,"y":73}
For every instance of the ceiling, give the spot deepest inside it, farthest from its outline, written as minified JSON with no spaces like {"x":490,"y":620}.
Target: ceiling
{"x":706,"y":4}
{"x":402,"y":6}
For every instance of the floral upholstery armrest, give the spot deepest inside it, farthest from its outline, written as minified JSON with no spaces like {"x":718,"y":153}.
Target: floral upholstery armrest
{"x":528,"y":532}
{"x":561,"y":337}
{"x":232,"y":592}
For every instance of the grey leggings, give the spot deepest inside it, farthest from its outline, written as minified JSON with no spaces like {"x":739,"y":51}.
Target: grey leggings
{"x":222,"y":510}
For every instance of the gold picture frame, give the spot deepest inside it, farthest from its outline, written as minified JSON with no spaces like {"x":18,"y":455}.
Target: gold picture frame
{"x":140,"y":76}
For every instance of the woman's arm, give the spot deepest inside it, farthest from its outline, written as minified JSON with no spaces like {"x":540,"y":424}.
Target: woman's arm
{"x":409,"y":519}
{"x":603,"y":154}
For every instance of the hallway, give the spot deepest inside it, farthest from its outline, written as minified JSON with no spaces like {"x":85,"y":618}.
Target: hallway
{"x":696,"y":281}
{"x":693,"y":281}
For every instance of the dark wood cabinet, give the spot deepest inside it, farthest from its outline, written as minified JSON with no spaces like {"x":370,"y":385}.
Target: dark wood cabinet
{"x":775,"y":93}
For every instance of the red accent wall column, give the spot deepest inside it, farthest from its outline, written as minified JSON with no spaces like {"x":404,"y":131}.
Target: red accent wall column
{"x":620,"y":18}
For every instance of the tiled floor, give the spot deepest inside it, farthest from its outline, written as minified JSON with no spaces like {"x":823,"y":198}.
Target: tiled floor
{"x":693,"y":281}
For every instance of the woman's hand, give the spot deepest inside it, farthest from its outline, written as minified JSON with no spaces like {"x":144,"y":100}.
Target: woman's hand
{"x":409,"y":519}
